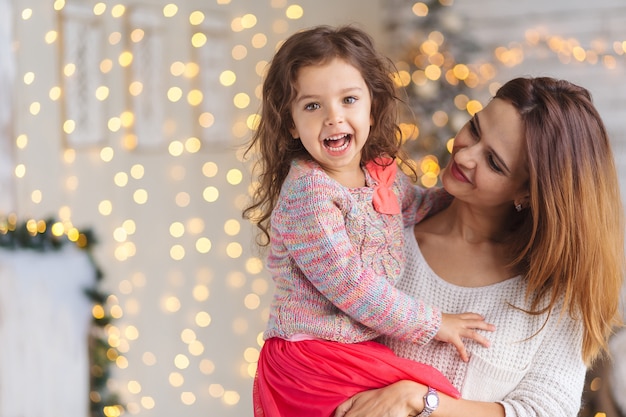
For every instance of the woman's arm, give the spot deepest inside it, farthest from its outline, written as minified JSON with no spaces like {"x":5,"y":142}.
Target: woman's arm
{"x":551,"y":386}
{"x":406,"y":398}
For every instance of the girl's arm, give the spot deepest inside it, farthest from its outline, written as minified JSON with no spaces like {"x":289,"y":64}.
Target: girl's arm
{"x":418,"y":202}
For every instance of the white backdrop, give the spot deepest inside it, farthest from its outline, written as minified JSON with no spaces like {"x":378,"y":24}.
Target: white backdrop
{"x":44,"y":325}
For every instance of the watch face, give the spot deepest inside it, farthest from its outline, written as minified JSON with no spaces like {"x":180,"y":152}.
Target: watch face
{"x":432,"y":400}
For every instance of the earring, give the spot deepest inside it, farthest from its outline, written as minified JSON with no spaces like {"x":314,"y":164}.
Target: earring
{"x":518,"y":207}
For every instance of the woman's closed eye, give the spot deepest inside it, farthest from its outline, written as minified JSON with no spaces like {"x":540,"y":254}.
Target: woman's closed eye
{"x":493,"y":163}
{"x":473,"y":129}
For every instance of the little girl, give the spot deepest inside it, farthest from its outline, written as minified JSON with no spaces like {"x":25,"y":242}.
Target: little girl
{"x":332,"y":208}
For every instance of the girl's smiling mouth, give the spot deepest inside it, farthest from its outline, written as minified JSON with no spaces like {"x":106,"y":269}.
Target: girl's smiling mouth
{"x":338,"y":143}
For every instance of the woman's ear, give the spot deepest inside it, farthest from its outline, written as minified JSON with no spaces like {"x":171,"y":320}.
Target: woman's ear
{"x":521,"y":202}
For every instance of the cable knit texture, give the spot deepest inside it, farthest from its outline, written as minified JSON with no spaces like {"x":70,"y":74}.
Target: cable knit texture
{"x":532,"y":372}
{"x":334,"y":260}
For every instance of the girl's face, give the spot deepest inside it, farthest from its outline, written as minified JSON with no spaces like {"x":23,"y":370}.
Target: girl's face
{"x":332,"y":116}
{"x":488,"y":163}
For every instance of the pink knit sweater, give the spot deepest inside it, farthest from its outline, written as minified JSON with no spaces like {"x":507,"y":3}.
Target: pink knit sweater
{"x":335,"y":260}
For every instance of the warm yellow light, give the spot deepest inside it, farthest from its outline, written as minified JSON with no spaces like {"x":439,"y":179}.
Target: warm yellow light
{"x":187,"y":398}
{"x":118,"y":10}
{"x":239,"y":52}
{"x":69,"y":126}
{"x":170,"y":10}
{"x":34,"y":108}
{"x":140,"y":196}
{"x":203,"y":319}
{"x":176,"y":148}
{"x":134,"y":387}
{"x":420,"y":9}
{"x":473,"y":107}
{"x":192,"y":69}
{"x":137,"y":35}
{"x":105,"y":207}
{"x":106,"y":65}
{"x":209,"y":169}
{"x":114,"y":124}
{"x":27,"y":14}
{"x":227,"y":78}
{"x":432,"y":72}
{"x":115,"y":38}
{"x":440,"y":118}
{"x":177,"y":252}
{"x":429,"y":47}
{"x":135,"y":88}
{"x":102,"y":93}
{"x":248,"y":21}
{"x":196,"y":18}
{"x":210,"y":194}
{"x":241,"y":100}
{"x":21,"y":141}
{"x":195,"y":97}
{"x":294,"y":12}
{"x":198,"y":39}
{"x":174,"y":94}
{"x":254,"y":265}
{"x":120,"y":179}
{"x":207,"y":366}
{"x":54,"y":93}
{"x":99,"y":8}
{"x":171,"y":304}
{"x":252,"y":301}
{"x":147,"y":403}
{"x":125,"y":59}
{"x":106,"y":154}
{"x":206,"y":120}
{"x":20,"y":170}
{"x":203,"y":245}
{"x":234,"y":250}
{"x":259,"y":40}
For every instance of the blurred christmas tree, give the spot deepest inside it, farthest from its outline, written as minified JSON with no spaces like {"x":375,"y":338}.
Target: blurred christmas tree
{"x":431,"y":50}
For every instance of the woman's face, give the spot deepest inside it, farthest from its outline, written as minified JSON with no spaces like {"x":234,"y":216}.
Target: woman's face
{"x":332,"y":115}
{"x":488,"y":163}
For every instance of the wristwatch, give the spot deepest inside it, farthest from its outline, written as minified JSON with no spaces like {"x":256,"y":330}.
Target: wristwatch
{"x":431,"y":401}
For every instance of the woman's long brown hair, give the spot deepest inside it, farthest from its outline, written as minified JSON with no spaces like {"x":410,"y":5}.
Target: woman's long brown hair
{"x":571,"y":242}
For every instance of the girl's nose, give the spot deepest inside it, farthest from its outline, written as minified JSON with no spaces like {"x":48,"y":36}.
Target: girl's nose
{"x":334,"y":116}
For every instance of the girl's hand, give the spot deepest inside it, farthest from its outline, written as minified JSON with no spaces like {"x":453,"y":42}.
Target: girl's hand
{"x":455,"y":327}
{"x":401,"y":399}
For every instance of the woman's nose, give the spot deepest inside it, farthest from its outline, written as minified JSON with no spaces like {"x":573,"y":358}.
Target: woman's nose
{"x":466,"y":156}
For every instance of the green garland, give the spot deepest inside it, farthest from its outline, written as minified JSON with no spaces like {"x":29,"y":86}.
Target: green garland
{"x":39,"y":236}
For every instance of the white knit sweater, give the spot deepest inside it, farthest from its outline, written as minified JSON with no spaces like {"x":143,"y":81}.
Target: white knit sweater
{"x":532,"y":372}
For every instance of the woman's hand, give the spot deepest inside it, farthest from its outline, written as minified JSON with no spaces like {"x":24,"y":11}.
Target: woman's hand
{"x":401,"y":399}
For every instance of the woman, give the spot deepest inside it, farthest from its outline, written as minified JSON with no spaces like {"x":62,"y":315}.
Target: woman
{"x":534,"y":241}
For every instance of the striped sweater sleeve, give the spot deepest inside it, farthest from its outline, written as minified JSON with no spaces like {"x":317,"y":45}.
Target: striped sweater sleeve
{"x":418,"y":202}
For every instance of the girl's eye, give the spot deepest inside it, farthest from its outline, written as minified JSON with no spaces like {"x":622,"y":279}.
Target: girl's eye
{"x":350,"y":100}
{"x":312,"y":106}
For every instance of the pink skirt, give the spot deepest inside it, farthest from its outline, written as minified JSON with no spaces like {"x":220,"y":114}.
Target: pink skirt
{"x":313,"y":377}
